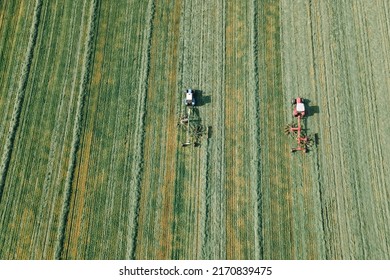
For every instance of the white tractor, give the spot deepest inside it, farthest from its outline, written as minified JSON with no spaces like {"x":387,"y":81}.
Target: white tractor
{"x":189,"y":100}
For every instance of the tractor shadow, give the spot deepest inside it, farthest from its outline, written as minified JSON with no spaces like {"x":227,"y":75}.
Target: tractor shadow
{"x":201,"y":98}
{"x":311,"y":110}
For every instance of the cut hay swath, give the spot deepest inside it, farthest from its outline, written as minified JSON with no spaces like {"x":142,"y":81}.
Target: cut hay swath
{"x":35,"y":177}
{"x":92,"y":165}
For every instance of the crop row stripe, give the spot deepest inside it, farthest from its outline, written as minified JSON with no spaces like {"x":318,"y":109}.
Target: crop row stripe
{"x":5,"y":160}
{"x":140,"y":132}
{"x":255,"y":137}
{"x":85,"y":77}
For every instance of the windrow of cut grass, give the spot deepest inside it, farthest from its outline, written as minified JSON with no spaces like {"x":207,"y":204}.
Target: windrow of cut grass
{"x":103,"y":207}
{"x":241,"y":133}
{"x":77,"y":127}
{"x":31,"y":211}
{"x":154,"y":235}
{"x":254,"y":126}
{"x":199,"y":225}
{"x":140,"y":131}
{"x":92,"y":165}
{"x":335,"y":55}
{"x":20,"y":93}
{"x":276,"y":182}
{"x":307,"y":238}
{"x":16,"y":22}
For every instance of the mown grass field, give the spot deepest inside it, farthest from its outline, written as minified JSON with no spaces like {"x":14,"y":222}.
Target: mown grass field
{"x":91,"y":160}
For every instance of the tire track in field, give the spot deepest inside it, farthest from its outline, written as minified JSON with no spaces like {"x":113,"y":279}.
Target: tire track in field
{"x":85,"y":78}
{"x":136,"y":175}
{"x":25,"y":71}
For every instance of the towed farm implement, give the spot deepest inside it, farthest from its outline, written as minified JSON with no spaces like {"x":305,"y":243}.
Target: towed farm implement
{"x":190,"y":121}
{"x":296,"y":130}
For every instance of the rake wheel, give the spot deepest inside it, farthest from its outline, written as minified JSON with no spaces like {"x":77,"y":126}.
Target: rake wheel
{"x":288,"y":127}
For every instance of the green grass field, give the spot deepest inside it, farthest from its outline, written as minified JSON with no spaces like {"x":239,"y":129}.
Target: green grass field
{"x":92,"y":164}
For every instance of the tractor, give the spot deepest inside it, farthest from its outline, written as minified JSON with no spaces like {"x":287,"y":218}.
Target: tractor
{"x":299,"y":112}
{"x":189,"y":100}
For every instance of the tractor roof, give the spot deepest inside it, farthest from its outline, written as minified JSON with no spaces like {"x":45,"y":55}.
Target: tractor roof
{"x":300,"y":107}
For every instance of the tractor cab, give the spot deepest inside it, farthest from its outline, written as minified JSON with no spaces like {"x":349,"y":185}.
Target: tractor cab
{"x":189,"y":100}
{"x":299,"y":107}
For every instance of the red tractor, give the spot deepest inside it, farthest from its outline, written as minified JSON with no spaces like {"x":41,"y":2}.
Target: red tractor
{"x":296,"y":129}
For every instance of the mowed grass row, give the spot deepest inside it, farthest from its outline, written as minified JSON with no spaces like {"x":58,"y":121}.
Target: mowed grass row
{"x":341,"y":53}
{"x":93,"y":168}
{"x":194,"y":223}
{"x":355,"y":172}
{"x":212,"y":83}
{"x":276,"y":189}
{"x":241,"y":132}
{"x":198,"y":222}
{"x":189,"y":203}
{"x":32,"y":200}
{"x":299,"y":80}
{"x":156,"y":214}
{"x":19,"y":96}
{"x":15,"y":22}
{"x":102,"y":220}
